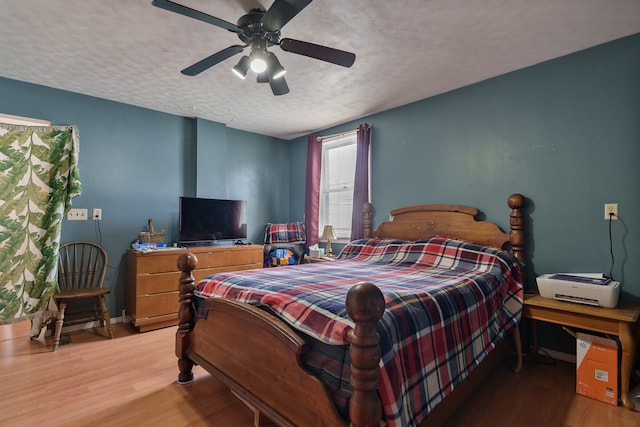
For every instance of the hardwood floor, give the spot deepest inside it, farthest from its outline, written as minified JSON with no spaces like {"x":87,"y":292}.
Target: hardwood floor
{"x":542,"y":395}
{"x":130,"y":380}
{"x":94,"y":381}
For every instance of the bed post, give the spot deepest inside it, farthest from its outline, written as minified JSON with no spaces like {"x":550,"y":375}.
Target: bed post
{"x":365,"y":305}
{"x":516,"y":220}
{"x":517,"y":239}
{"x":367,"y":219}
{"x":186,"y":263}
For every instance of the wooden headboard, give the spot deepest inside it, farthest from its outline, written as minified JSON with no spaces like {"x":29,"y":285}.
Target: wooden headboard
{"x":424,"y":221}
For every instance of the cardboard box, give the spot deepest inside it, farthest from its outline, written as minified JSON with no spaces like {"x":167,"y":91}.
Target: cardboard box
{"x":597,"y":368}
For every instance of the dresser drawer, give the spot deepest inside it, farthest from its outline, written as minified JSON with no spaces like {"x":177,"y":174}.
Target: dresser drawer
{"x":157,"y":305}
{"x":157,"y":262}
{"x":155,"y":283}
{"x":228,"y":258}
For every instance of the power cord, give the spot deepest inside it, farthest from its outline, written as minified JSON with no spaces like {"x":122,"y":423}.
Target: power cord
{"x":611,"y":215}
{"x":98,"y":231}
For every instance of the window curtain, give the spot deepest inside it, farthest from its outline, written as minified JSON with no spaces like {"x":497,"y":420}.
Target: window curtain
{"x":312,"y":189}
{"x":361,"y":183}
{"x":38,"y":178}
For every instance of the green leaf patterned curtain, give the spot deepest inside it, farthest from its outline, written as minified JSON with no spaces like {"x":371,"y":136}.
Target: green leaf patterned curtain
{"x":38,"y":178}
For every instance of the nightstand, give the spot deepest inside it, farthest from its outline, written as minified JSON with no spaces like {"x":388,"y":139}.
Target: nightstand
{"x":621,"y":321}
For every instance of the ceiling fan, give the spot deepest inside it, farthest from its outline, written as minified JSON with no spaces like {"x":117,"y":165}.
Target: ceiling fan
{"x":259,"y":30}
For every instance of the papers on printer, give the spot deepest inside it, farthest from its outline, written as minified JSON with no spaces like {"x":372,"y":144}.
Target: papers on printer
{"x":595,"y":279}
{"x":583,"y":288}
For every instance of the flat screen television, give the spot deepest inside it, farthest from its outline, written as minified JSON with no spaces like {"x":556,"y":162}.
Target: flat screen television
{"x":208,"y":221}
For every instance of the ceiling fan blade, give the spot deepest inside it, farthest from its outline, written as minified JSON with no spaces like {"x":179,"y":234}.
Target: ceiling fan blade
{"x":279,"y":86}
{"x":324,"y":53}
{"x":196,"y":14}
{"x":212,"y":60}
{"x":281,"y":12}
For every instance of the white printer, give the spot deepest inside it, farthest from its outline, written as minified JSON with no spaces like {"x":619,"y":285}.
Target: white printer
{"x":591,"y":289}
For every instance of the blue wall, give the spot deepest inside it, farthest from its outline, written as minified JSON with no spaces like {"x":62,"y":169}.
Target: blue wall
{"x":233,"y":164}
{"x":135,"y":163}
{"x":565,"y":133}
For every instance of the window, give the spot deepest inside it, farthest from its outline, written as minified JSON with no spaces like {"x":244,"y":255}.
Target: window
{"x":337,"y":173}
{"x":337,"y":183}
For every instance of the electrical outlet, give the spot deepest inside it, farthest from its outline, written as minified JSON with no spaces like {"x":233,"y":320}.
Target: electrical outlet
{"x":77,"y":215}
{"x":610,"y":211}
{"x":97,"y":214}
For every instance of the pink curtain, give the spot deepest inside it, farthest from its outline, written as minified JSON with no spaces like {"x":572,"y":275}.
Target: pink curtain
{"x":361,"y":183}
{"x":312,"y":189}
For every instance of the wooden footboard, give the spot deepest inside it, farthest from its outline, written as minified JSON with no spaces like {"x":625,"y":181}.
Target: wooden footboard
{"x":258,"y":356}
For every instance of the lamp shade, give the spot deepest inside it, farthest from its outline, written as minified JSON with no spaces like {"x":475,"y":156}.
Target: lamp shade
{"x":263,"y":77}
{"x":276,"y":70}
{"x":328,"y":233}
{"x":241,"y":68}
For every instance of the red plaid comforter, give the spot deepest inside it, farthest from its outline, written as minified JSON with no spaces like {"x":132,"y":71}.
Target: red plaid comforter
{"x":448,"y":304}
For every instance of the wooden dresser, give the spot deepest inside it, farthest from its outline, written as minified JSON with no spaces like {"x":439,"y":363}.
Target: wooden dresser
{"x":152,"y":279}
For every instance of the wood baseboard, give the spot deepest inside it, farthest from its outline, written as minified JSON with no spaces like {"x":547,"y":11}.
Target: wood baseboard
{"x":89,"y":325}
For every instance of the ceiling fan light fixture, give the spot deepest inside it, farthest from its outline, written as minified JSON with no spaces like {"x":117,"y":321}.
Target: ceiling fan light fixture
{"x":258,"y":65}
{"x":242,"y":67}
{"x":276,"y":70}
{"x":258,"y":57}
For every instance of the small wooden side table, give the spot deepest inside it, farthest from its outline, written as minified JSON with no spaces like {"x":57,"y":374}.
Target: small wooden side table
{"x":621,"y":321}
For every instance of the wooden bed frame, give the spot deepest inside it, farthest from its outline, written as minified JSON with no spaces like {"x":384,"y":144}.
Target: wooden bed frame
{"x":258,"y":356}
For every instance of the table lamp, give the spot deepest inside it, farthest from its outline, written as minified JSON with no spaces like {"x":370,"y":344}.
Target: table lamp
{"x":328,"y":234}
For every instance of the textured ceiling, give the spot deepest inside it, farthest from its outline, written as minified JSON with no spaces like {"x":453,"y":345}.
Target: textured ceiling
{"x":407,"y":50}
